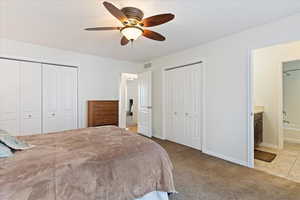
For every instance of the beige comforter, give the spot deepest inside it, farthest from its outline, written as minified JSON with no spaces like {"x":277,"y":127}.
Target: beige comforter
{"x":106,"y":163}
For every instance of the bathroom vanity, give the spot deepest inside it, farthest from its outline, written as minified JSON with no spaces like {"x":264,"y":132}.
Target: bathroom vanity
{"x":258,"y":125}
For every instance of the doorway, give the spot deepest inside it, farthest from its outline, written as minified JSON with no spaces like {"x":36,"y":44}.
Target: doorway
{"x":276,"y":148}
{"x":135,"y":103}
{"x":132,"y":104}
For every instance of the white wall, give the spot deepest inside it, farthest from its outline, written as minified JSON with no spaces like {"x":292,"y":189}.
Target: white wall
{"x":268,"y":86}
{"x":227,"y":90}
{"x":132,"y":93}
{"x":98,"y":77}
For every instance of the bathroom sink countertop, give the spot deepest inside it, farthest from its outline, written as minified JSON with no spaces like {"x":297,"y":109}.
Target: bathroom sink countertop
{"x":258,"y":109}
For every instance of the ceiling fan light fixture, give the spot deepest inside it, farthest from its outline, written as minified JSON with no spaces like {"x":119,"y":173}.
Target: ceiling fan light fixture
{"x":132,"y":32}
{"x":133,"y":22}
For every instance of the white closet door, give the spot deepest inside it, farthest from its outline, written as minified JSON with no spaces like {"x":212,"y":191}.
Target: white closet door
{"x":68,"y":98}
{"x":178,"y":106}
{"x":184,"y":105}
{"x":51,"y":91}
{"x":169,"y":110}
{"x":193,"y":106}
{"x":59,"y":98}
{"x":31,"y":98}
{"x":9,"y":96}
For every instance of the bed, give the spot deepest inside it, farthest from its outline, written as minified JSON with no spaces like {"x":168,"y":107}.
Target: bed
{"x":100,"y":163}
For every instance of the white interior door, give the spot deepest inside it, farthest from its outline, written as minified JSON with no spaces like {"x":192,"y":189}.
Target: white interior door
{"x":10,"y":96}
{"x":169,"y":110}
{"x":193,"y":106}
{"x":59,"y":98}
{"x":178,"y":106}
{"x":183,"y":105}
{"x":145,"y":103}
{"x":31,"y":98}
{"x":51,"y":91}
{"x":68,"y":98}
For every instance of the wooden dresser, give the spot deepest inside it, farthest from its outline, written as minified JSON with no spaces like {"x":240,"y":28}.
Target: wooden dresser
{"x":101,"y":113}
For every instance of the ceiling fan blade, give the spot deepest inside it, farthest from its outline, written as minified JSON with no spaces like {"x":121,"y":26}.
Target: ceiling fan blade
{"x":124,"y":41}
{"x":102,"y":28}
{"x":157,"y":20}
{"x":153,"y":35}
{"x":116,"y":12}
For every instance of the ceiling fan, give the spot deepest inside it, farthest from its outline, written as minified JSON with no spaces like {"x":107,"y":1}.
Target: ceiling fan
{"x":133,"y":23}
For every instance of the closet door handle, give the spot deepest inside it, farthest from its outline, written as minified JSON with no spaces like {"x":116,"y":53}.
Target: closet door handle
{"x":175,"y":113}
{"x":53,"y":114}
{"x":186,"y":114}
{"x":29,"y":116}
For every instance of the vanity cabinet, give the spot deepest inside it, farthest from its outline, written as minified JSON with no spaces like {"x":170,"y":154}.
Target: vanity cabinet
{"x":258,"y":128}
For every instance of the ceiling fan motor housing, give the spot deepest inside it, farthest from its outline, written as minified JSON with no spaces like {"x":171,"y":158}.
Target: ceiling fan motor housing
{"x":133,"y":14}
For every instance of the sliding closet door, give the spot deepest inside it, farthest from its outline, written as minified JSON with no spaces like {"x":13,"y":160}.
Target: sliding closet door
{"x":192,"y":106}
{"x":183,"y":96}
{"x":9,"y":96}
{"x":51,"y":91}
{"x":178,"y":105}
{"x":68,"y":98}
{"x":169,"y":107}
{"x":59,"y":98}
{"x":30,"y":98}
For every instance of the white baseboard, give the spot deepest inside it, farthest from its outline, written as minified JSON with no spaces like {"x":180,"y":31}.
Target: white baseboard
{"x":292,"y":140}
{"x":227,"y":158}
{"x":159,"y":137}
{"x":273,"y":146}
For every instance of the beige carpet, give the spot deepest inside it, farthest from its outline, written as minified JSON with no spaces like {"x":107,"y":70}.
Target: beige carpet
{"x":202,"y":177}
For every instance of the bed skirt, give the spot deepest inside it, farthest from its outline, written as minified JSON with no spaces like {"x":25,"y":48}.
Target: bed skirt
{"x":155,"y":196}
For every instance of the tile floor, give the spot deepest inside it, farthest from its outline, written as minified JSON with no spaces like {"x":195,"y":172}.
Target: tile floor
{"x":286,"y":164}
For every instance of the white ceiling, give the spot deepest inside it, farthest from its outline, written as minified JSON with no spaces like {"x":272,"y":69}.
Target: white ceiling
{"x":60,"y":23}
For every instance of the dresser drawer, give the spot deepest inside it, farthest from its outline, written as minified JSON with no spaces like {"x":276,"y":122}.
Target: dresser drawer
{"x":101,"y":113}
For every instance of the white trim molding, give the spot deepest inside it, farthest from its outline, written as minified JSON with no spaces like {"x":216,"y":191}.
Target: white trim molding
{"x":159,"y":137}
{"x":226,"y":158}
{"x":250,"y":110}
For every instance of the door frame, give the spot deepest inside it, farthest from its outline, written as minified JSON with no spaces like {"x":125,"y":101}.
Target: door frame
{"x":251,"y":105}
{"x":123,"y":96}
{"x":250,"y":108}
{"x":164,"y":102}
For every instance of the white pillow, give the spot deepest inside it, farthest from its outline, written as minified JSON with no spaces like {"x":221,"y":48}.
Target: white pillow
{"x":5,"y":151}
{"x":13,"y":142}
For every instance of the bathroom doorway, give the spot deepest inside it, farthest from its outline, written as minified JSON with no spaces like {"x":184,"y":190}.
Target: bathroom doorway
{"x":276,"y":110}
